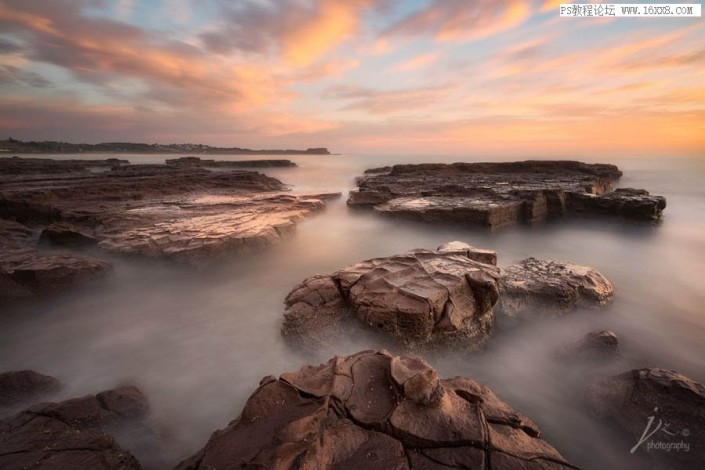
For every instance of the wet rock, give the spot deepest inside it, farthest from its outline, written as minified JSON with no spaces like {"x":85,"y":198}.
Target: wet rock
{"x":596,"y":344}
{"x":18,"y":388}
{"x":375,"y":411}
{"x":181,"y":212}
{"x":25,"y":272}
{"x":494,"y":195}
{"x":661,"y":414}
{"x":551,"y":287}
{"x":72,"y":433}
{"x":421,"y":298}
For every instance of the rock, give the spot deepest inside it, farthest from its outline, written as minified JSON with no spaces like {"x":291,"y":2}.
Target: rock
{"x":71,"y":434}
{"x":663,"y":402}
{"x":23,"y":387}
{"x":195,"y":161}
{"x":180,"y":212}
{"x":477,"y":254}
{"x":494,"y":195}
{"x":626,"y":202}
{"x":25,"y":272}
{"x":375,"y":411}
{"x":551,"y":287}
{"x":596,"y":344}
{"x":421,"y":298}
{"x":66,"y":236}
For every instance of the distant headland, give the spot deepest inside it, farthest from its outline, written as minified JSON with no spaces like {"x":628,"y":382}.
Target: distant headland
{"x":17,"y":146}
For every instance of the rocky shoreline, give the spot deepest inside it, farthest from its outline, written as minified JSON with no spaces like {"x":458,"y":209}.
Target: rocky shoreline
{"x":62,"y":221}
{"x":183,"y":213}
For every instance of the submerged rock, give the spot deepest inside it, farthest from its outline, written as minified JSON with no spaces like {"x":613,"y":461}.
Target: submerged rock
{"x":420,"y":297}
{"x":551,"y":287}
{"x":661,"y":413}
{"x":24,"y":387}
{"x":375,"y":411}
{"x":72,"y":433}
{"x":596,"y":344}
{"x":498,"y":194}
{"x":181,"y":212}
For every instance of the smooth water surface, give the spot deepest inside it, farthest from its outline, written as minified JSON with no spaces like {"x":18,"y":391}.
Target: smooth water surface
{"x":199,"y":341}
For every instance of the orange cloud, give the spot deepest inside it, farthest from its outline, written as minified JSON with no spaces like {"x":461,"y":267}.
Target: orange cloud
{"x":463,"y":20}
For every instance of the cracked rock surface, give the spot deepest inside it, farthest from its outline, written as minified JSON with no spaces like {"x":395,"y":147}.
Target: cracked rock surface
{"x":72,"y":434}
{"x":494,"y":195}
{"x":180,"y":212}
{"x":676,"y":403}
{"x":551,"y":287}
{"x":420,"y":297}
{"x":375,"y":411}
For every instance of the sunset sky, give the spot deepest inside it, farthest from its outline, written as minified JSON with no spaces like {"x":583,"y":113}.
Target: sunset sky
{"x":357,"y":76}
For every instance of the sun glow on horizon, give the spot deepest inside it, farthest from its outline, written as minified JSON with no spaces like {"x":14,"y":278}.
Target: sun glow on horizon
{"x":365,"y":76}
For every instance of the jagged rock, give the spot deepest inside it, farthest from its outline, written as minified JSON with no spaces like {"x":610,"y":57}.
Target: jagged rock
{"x":71,"y":434}
{"x":499,"y":194}
{"x":420,"y":297}
{"x":658,"y":411}
{"x":375,"y":411}
{"x":550,"y":287}
{"x":181,"y":212}
{"x":594,"y":344}
{"x":23,"y":387}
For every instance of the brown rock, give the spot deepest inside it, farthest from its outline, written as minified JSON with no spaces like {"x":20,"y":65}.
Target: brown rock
{"x":596,"y":344}
{"x":368,"y":421}
{"x":498,"y":194}
{"x":70,"y":434}
{"x":23,"y":387}
{"x":551,"y":287}
{"x":672,"y":403}
{"x":421,"y":297}
{"x":181,"y":212}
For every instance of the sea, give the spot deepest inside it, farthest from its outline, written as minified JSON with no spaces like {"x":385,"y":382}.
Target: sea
{"x":198,"y":341}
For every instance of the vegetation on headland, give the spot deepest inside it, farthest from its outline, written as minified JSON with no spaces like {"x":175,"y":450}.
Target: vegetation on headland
{"x":17,"y":146}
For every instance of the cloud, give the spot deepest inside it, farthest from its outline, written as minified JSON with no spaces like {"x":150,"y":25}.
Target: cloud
{"x":11,"y":74}
{"x":300,"y":32}
{"x":416,"y":63}
{"x":385,"y":102}
{"x":462,"y":20}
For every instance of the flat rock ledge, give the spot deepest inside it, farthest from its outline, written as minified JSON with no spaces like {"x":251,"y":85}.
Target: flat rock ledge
{"x":494,"y":195}
{"x":421,"y":298}
{"x":181,"y":212}
{"x":547,"y":287}
{"x":375,"y":411}
{"x":669,"y":405}
{"x":72,"y":434}
{"x":428,"y":298}
{"x":27,"y":272}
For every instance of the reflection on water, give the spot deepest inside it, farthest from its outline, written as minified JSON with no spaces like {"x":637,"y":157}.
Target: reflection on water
{"x":198,"y":342}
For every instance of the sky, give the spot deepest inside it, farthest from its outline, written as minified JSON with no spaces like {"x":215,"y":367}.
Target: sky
{"x":473,"y":77}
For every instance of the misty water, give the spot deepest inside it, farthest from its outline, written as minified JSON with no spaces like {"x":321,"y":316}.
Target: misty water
{"x":198,"y":341}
